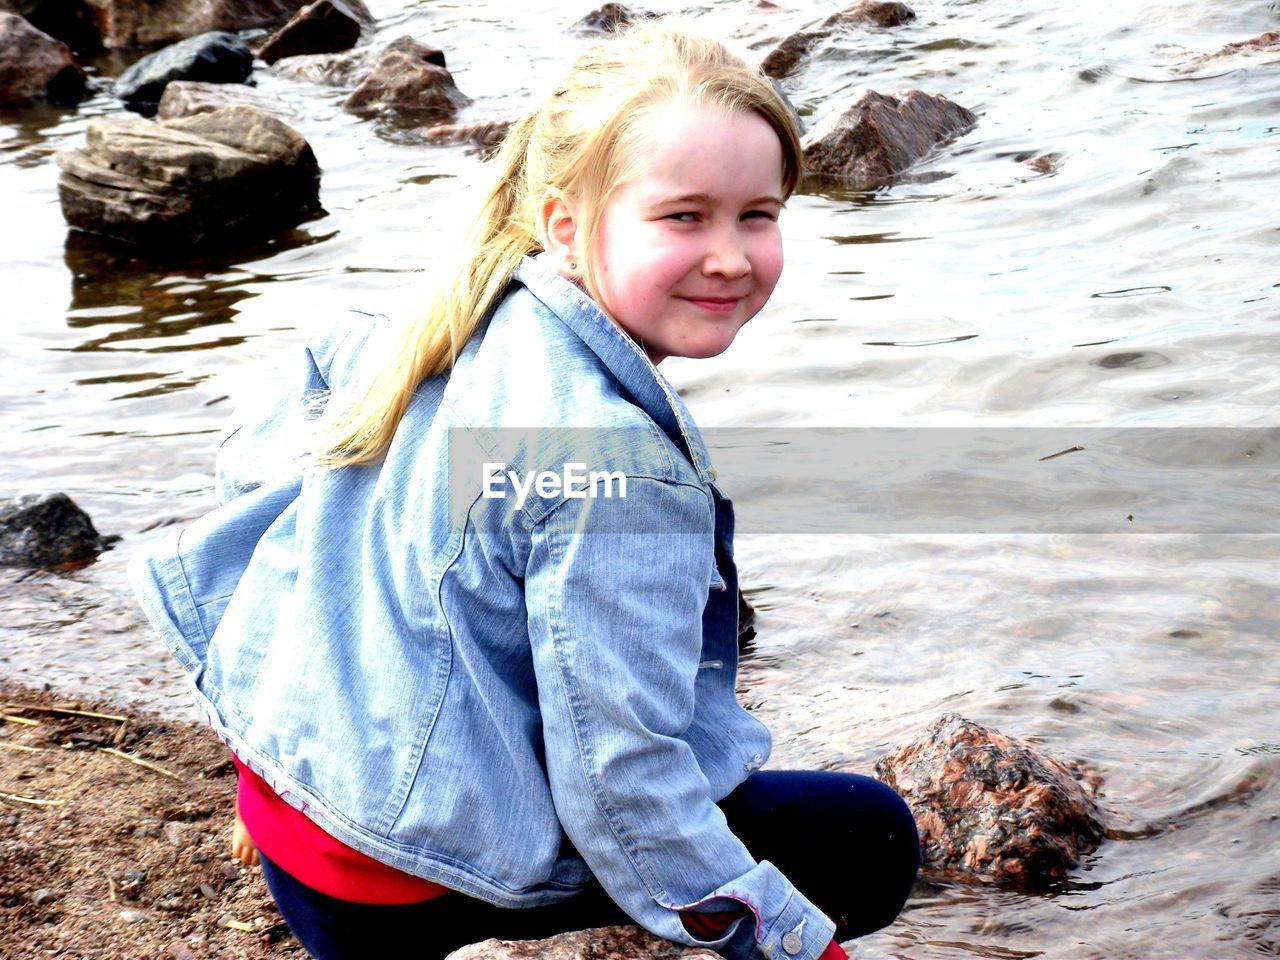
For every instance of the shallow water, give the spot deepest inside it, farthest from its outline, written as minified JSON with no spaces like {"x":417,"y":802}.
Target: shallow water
{"x":1133,"y":285}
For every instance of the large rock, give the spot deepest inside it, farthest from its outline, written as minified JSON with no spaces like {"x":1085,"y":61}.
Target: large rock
{"x":326,"y":26}
{"x":186,"y":98}
{"x":786,"y":56}
{"x":209,"y":58}
{"x":878,"y":137}
{"x":118,"y":24}
{"x":406,"y":84}
{"x":192,"y":181}
{"x":602,"y":943}
{"x":33,"y":65}
{"x":990,"y":806}
{"x":345,"y":69}
{"x":47,"y":530}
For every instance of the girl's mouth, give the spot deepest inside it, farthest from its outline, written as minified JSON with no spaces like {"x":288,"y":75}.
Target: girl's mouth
{"x":714,"y":304}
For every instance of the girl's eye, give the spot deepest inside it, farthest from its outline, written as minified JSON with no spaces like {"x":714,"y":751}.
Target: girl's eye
{"x":759,"y":214}
{"x":684,"y":216}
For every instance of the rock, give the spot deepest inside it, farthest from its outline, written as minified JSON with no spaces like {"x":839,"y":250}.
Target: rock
{"x":1261,"y":42}
{"x":326,"y":26}
{"x":33,"y":65}
{"x":191,"y":181}
{"x":47,"y":530}
{"x":990,"y":806}
{"x":407,"y":84}
{"x":487,"y":135}
{"x":879,"y":137}
{"x":186,"y":98}
{"x":786,"y":56}
{"x":339,"y":70}
{"x":133,"y":916}
{"x":42,"y":896}
{"x":610,"y":18}
{"x":602,"y":943}
{"x":121,"y":24}
{"x":209,"y":58}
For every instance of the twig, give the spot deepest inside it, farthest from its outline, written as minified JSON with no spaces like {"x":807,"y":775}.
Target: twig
{"x":34,"y":801}
{"x":1060,"y":453}
{"x":239,"y":925}
{"x":111,"y":888}
{"x":139,"y":761}
{"x":67,"y":710}
{"x":22,"y":747}
{"x":22,"y":720}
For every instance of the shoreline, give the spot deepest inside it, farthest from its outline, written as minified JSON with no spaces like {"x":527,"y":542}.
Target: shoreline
{"x":115,"y":829}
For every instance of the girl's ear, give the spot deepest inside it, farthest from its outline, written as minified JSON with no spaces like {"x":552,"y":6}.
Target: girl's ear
{"x":559,"y":224}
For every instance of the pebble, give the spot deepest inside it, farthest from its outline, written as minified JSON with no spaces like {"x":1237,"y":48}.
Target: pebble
{"x":208,"y":891}
{"x":199,"y":857}
{"x":42,"y":896}
{"x":181,"y":951}
{"x":135,"y":876}
{"x":230,"y":872}
{"x":133,"y":916}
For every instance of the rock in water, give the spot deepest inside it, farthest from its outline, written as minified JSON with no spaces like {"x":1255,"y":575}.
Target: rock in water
{"x":341,"y":69}
{"x":196,"y":180}
{"x":609,"y":18}
{"x":209,"y":58}
{"x":185,"y":98}
{"x":47,"y":530}
{"x":326,"y":26}
{"x":34,"y":66}
{"x":990,"y":806}
{"x":786,"y":56}
{"x":407,"y":84}
{"x":602,"y":943}
{"x":121,"y":24}
{"x":879,"y":137}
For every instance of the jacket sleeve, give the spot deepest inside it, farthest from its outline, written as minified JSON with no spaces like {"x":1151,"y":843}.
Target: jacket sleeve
{"x":615,"y":592}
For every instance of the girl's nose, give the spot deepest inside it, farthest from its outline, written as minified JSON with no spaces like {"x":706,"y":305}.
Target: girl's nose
{"x":726,"y":256}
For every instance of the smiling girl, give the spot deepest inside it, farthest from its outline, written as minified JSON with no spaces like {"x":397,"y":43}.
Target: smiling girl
{"x":456,"y":720}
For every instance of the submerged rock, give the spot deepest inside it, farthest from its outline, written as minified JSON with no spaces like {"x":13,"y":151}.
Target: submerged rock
{"x":343,"y":69}
{"x":610,"y":18}
{"x":407,"y":84}
{"x":35,"y":66}
{"x":879,"y":137}
{"x":786,"y":56}
{"x":602,"y":943}
{"x":185,"y":98}
{"x":191,"y":181}
{"x":486,"y":135}
{"x":326,"y":26}
{"x":990,"y":806}
{"x":47,"y":530}
{"x":1262,"y":41}
{"x":209,"y":58}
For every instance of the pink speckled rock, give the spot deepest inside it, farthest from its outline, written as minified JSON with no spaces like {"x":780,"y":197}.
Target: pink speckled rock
{"x":603,"y":943}
{"x":990,"y":806}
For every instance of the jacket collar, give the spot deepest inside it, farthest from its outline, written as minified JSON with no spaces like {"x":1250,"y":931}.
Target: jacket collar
{"x":621,"y":356}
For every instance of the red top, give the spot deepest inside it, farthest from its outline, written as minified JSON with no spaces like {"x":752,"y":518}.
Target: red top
{"x":310,"y":855}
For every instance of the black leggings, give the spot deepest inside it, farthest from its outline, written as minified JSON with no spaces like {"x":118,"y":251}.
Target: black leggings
{"x":846,"y":841}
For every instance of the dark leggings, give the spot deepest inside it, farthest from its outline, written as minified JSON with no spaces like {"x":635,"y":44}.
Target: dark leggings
{"x":846,"y":841}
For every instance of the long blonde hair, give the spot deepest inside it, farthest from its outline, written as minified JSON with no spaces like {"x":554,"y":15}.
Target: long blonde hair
{"x":580,"y":142}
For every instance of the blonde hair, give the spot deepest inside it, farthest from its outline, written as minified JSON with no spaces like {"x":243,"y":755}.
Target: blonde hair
{"x":579,"y":141}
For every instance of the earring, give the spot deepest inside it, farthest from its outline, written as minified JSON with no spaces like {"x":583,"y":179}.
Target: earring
{"x":573,"y":264}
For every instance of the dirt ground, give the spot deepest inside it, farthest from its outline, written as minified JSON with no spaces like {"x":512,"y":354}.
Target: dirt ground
{"x":114,"y":839}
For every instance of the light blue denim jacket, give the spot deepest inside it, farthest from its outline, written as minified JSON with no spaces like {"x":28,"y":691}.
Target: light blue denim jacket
{"x":504,"y":701}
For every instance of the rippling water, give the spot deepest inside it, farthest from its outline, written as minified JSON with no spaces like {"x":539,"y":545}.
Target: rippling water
{"x":1132,"y":281}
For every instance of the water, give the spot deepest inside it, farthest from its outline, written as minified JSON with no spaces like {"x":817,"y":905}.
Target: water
{"x":1133,"y":283}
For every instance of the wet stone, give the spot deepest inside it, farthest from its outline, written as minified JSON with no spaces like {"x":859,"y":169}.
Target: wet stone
{"x":46,"y":530}
{"x":326,"y":26}
{"x":35,"y":66}
{"x":214,"y":57}
{"x":992,"y":807}
{"x":603,"y":943}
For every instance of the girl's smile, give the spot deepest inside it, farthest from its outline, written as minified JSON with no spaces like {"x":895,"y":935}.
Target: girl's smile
{"x":688,"y":247}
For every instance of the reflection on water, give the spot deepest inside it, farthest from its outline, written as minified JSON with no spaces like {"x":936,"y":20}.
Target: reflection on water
{"x":1094,"y":253}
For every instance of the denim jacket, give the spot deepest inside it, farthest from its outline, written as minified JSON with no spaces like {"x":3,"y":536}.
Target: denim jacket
{"x":502,"y":695}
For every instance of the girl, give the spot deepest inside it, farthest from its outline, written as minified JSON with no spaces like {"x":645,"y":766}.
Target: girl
{"x":465,"y":704}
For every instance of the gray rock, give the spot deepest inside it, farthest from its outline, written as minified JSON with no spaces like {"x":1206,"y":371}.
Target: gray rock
{"x":192,"y":181}
{"x":47,"y":530}
{"x":407,"y":85}
{"x":344,"y":69}
{"x":878,"y":137}
{"x":990,"y":806}
{"x":186,"y":98}
{"x":788,"y":54}
{"x":43,"y":895}
{"x":602,"y":943}
{"x":122,"y":24}
{"x":326,"y":26}
{"x":209,"y":58}
{"x":33,"y":65}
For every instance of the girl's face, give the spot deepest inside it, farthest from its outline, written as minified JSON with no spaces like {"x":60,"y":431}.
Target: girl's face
{"x":688,"y":247}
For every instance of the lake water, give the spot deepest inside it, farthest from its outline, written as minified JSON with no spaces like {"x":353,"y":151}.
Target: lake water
{"x":1133,"y":283}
